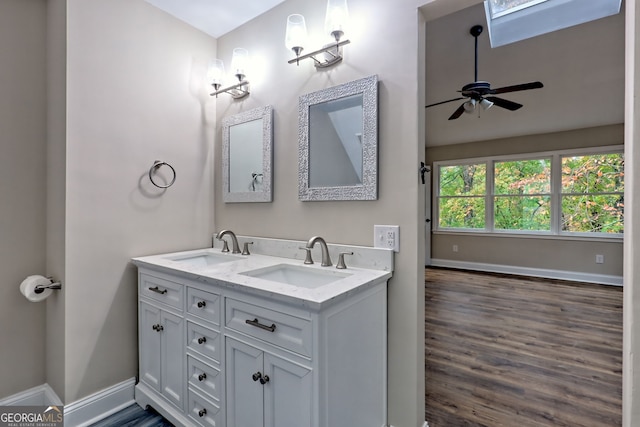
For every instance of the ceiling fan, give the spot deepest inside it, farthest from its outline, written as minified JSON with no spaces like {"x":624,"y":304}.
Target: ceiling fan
{"x":480,"y":92}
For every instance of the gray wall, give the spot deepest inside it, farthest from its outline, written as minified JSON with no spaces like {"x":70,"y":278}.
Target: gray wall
{"x":22,"y":190}
{"x":379,"y":28}
{"x":126,"y":88}
{"x":56,"y":182}
{"x":577,"y":255}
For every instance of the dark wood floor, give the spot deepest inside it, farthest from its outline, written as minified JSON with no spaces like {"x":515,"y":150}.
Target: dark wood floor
{"x":520,"y":352}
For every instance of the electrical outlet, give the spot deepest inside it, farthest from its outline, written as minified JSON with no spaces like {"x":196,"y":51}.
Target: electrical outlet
{"x":455,"y":248}
{"x":599,"y":259}
{"x":387,"y":237}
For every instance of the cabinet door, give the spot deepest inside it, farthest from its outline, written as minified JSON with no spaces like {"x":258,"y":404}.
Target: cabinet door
{"x":287,"y":395}
{"x":172,"y":354}
{"x":149,"y":344}
{"x":244,"y":395}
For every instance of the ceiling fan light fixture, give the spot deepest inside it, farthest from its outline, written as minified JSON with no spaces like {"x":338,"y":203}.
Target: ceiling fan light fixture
{"x":469,"y":106}
{"x":486,"y":104}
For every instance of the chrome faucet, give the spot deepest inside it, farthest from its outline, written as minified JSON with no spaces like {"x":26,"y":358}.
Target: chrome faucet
{"x":326,"y":259}
{"x":234,"y":241}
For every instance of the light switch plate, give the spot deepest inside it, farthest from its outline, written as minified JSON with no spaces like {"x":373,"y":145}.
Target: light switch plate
{"x":387,"y":237}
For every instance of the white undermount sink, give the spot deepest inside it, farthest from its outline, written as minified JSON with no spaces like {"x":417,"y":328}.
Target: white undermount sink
{"x":203,"y":259}
{"x":301,"y":276}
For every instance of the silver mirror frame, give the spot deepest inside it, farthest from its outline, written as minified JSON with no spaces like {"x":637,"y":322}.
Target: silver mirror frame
{"x":266,"y":115}
{"x":368,"y":190}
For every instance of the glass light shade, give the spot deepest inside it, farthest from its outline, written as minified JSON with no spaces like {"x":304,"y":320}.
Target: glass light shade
{"x":337,"y":18}
{"x":215,"y":73}
{"x":296,"y":35}
{"x":486,"y":104}
{"x":239,"y":62}
{"x":469,"y":106}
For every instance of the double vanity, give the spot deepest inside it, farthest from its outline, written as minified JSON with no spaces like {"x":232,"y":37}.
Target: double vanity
{"x":262,"y":337}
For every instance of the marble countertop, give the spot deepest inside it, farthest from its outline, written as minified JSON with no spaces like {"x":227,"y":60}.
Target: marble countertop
{"x":229,"y":271}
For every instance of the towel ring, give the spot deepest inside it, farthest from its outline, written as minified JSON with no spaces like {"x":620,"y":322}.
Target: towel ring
{"x":157,"y":165}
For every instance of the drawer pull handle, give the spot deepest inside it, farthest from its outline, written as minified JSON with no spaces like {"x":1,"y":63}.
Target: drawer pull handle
{"x":202,"y":412}
{"x":158,"y":328}
{"x":158,"y":290}
{"x":202,"y":340}
{"x":202,"y":377}
{"x":202,"y":304}
{"x":257,"y":324}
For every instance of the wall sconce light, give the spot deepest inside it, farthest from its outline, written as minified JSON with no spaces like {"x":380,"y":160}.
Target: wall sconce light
{"x":335,"y":25}
{"x":239,"y":63}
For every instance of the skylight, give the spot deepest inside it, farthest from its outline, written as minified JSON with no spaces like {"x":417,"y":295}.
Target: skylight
{"x":509,"y":21}
{"x":503,"y":7}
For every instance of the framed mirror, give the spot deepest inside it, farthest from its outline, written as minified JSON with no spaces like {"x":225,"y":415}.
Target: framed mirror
{"x":338,"y":142}
{"x":247,"y":142}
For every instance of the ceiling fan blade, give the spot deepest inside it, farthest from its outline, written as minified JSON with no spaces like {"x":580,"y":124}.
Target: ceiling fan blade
{"x":457,"y":113}
{"x":504,"y":103}
{"x":443,"y":102}
{"x":516,"y":88}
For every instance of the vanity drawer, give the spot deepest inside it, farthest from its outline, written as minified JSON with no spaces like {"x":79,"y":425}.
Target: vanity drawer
{"x":162,"y":290}
{"x":203,"y":340}
{"x":202,"y":411}
{"x":205,"y":305}
{"x":204,"y":377}
{"x":284,"y":330}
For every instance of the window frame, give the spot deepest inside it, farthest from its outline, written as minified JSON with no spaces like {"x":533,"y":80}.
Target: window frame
{"x":555,"y":230}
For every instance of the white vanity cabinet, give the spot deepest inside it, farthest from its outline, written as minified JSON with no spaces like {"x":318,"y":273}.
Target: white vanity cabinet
{"x":161,"y":332}
{"x":269,"y":366}
{"x":204,"y":358}
{"x":239,"y":356}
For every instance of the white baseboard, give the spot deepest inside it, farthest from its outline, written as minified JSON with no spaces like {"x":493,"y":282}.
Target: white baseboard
{"x":576,"y":276}
{"x":37,"y":396}
{"x":93,"y":408}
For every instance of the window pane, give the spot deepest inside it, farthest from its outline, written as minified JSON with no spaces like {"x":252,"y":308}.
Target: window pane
{"x":462,"y":180}
{"x":461,"y":212}
{"x":503,"y":7}
{"x":522,"y":213}
{"x":600,"y":173}
{"x":593,"y":214}
{"x":523,"y":177}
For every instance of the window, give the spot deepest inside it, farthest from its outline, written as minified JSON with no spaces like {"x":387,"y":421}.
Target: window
{"x":462,"y":195}
{"x":509,"y":21}
{"x":557,"y":193}
{"x":522,"y":195}
{"x":504,"y":7}
{"x":593,"y":193}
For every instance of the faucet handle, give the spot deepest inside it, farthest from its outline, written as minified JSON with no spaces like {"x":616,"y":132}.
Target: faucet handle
{"x":307,"y":259}
{"x":245,"y":248}
{"x":225,"y":245}
{"x":341,"y":265}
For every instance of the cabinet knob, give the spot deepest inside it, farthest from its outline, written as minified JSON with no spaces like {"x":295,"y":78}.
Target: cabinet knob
{"x":202,"y":340}
{"x":158,"y":328}
{"x":202,"y":304}
{"x":263,"y":378}
{"x":202,"y":412}
{"x":202,"y":377}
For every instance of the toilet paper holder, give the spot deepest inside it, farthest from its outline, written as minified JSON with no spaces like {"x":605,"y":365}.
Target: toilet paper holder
{"x":54,"y":285}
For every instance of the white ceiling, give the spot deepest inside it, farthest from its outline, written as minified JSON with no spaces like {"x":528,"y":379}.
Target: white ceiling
{"x":582,"y":69}
{"x":215,"y":17}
